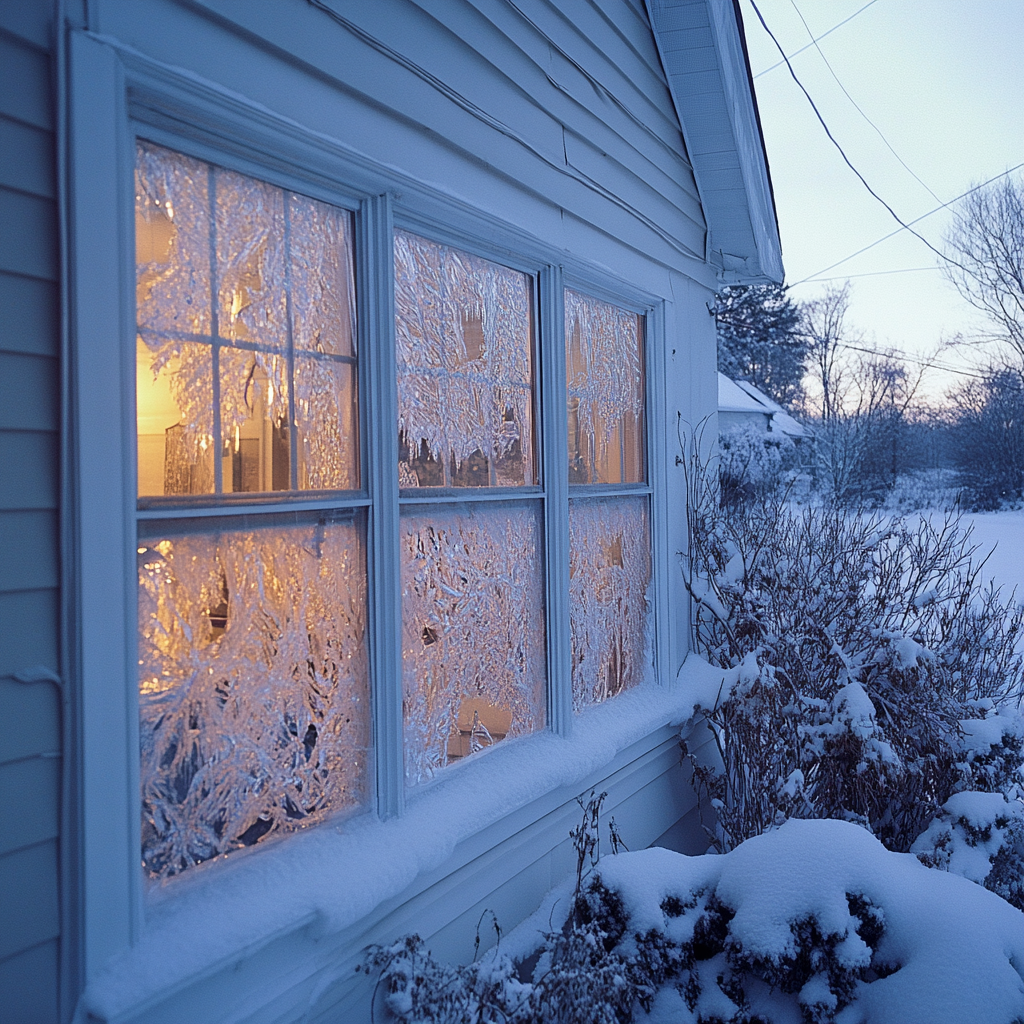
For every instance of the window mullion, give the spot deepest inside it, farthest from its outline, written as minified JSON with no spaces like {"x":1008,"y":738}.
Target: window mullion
{"x":555,"y":467}
{"x":375,"y":253}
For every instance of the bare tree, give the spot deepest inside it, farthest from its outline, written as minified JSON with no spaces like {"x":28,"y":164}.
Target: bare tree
{"x":827,"y":335}
{"x":985,"y":245}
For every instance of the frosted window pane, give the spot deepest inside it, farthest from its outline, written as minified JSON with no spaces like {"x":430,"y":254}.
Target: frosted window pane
{"x":175,"y":455}
{"x":605,"y":384}
{"x":253,"y":686}
{"x":326,"y":414}
{"x":239,"y":369}
{"x":609,"y":610}
{"x":172,"y":246}
{"x":473,"y":639}
{"x":463,"y":332}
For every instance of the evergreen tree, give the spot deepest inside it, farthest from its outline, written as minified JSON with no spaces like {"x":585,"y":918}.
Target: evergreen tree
{"x":760,"y":339}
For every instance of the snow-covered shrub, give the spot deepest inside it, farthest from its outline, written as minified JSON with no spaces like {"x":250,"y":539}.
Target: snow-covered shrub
{"x":857,"y":649}
{"x":752,"y":461}
{"x":812,"y":923}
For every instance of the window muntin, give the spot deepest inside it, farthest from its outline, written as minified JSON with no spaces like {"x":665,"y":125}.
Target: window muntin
{"x":246,"y":333}
{"x":464,"y":349}
{"x":473,"y":637}
{"x":605,"y":391}
{"x":252,"y":646}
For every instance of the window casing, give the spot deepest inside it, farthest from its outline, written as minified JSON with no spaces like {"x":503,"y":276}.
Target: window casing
{"x":512,"y":453}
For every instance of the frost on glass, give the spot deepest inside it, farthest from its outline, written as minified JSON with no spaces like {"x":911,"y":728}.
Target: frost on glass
{"x":605,"y":391}
{"x":463,"y":331}
{"x":609,"y":610}
{"x":246,"y":332}
{"x":253,"y":686}
{"x":473,"y":639}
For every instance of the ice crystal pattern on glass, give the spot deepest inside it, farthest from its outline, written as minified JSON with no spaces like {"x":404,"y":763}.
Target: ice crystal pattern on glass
{"x":605,"y":384}
{"x":465,"y":376}
{"x":245,"y":308}
{"x":473,"y":640}
{"x":609,"y":578}
{"x":253,"y":687}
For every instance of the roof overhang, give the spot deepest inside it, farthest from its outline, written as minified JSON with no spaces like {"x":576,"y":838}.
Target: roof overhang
{"x":704,"y":55}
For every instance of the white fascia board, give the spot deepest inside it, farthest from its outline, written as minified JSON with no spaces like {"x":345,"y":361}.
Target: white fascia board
{"x":705,"y":62}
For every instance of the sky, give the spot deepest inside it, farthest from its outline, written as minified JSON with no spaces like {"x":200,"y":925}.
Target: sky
{"x":943,"y":82}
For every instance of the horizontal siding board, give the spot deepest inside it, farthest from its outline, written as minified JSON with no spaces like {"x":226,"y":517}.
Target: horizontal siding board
{"x":24,"y":83}
{"x":28,"y":243}
{"x":418,"y":113}
{"x":30,"y":315}
{"x":27,"y":158}
{"x":518,"y":52}
{"x":28,"y":898}
{"x":28,"y":550}
{"x":31,"y":20}
{"x":31,"y":719}
{"x":29,"y":624}
{"x":29,"y":985}
{"x":29,"y":392}
{"x":29,"y":802}
{"x":28,"y":477}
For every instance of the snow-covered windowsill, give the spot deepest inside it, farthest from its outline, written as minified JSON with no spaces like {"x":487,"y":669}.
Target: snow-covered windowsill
{"x":332,"y":877}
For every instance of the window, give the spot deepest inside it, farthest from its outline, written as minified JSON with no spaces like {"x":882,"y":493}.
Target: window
{"x":609,"y":514}
{"x":255,"y":520}
{"x":253,"y":674}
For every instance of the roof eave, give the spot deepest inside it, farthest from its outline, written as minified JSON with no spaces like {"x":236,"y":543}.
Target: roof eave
{"x":704,"y":56}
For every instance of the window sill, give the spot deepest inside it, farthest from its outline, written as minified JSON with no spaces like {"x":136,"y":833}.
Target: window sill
{"x":328,"y":885}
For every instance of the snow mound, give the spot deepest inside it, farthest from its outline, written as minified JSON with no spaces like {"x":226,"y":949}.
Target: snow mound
{"x":911,"y":945}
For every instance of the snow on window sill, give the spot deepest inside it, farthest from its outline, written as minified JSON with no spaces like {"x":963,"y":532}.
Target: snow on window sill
{"x":337,"y":874}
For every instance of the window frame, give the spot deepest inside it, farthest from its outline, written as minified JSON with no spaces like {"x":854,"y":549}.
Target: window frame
{"x":116,"y":96}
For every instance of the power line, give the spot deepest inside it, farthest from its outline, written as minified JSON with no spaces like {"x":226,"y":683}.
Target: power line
{"x":857,"y":106}
{"x":849,"y":163}
{"x":813,"y":41}
{"x":871,"y":273}
{"x":899,"y":355}
{"x":885,"y":238}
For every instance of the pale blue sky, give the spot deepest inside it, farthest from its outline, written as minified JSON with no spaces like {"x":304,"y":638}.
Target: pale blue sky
{"x":944,"y":82}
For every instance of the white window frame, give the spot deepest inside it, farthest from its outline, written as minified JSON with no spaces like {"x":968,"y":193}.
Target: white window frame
{"x":115,"y":96}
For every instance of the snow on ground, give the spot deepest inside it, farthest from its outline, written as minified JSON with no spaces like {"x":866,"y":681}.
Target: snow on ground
{"x":1002,"y":534}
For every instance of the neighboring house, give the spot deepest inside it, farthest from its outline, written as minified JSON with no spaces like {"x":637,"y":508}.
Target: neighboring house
{"x":741,"y":404}
{"x":342,"y":352}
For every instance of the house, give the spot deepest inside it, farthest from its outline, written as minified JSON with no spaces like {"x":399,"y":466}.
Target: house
{"x":342,"y":352}
{"x":741,"y":404}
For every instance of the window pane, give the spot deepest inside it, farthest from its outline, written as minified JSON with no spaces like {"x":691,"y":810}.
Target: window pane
{"x":241,"y":369}
{"x":605,"y":381}
{"x":609,"y":576}
{"x":464,"y":340}
{"x":253,"y":685}
{"x":473,"y":637}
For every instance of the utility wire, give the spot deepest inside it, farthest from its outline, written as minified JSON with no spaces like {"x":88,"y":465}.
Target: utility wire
{"x":885,"y":238}
{"x":870,"y":273}
{"x":899,"y":220}
{"x":857,"y":106}
{"x":813,"y":41}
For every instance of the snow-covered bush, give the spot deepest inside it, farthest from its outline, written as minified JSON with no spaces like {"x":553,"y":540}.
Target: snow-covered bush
{"x":812,"y":923}
{"x":858,"y":652}
{"x":752,"y":461}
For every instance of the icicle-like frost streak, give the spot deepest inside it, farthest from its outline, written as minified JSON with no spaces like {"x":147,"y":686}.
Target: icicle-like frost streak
{"x":609,"y":606}
{"x":473,"y":634}
{"x":463,"y":332}
{"x":605,"y":391}
{"x":269,"y":245}
{"x":254,"y":690}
